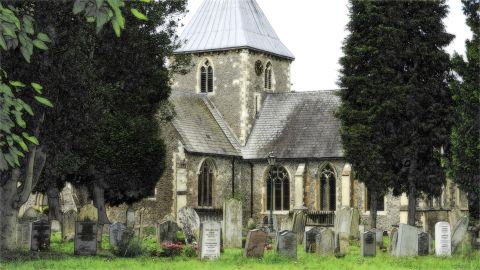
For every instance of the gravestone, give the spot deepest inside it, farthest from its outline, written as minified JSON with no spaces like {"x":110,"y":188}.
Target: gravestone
{"x":342,"y":244}
{"x":31,"y":214}
{"x":189,"y":222}
{"x":443,"y":243}
{"x":325,"y":243}
{"x":55,"y":226}
{"x":68,"y":226}
{"x":407,"y":241}
{"x":287,"y":244}
{"x":298,"y":224}
{"x":85,"y":238}
{"x":117,"y":231}
{"x":347,"y":221}
{"x":40,"y":235}
{"x":368,"y":244}
{"x":167,"y":232}
{"x":232,"y":224}
{"x":393,"y":241}
{"x":423,"y":244}
{"x":309,"y":239}
{"x":459,"y":232}
{"x":255,"y":245}
{"x":130,"y":218}
{"x":88,"y":213}
{"x":379,"y":238}
{"x":209,"y":240}
{"x":24,"y":235}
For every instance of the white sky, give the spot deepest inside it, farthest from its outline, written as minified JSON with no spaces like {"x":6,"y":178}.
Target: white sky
{"x":314,"y":30}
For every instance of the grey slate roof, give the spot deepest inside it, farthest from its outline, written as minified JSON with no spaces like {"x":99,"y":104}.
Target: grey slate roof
{"x":201,"y":127}
{"x":231,"y":24}
{"x":296,"y":125}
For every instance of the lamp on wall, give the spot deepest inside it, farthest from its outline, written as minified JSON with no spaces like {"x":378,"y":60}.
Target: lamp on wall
{"x":271,"y":159}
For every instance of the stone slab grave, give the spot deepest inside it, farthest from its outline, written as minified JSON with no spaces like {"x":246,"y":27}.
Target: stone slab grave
{"x":209,"y":244}
{"x":232,"y":224}
{"x":256,"y":242}
{"x":443,"y":239}
{"x":393,"y":241}
{"x":24,"y":235}
{"x":379,"y":238}
{"x":116,"y":233}
{"x":40,"y":235}
{"x":167,"y":232}
{"x":287,"y":244}
{"x":368,"y":243}
{"x":68,"y":226}
{"x":189,"y":222}
{"x":459,"y":232}
{"x":298,"y":224}
{"x":85,"y":238}
{"x":423,"y":244}
{"x":325,"y":243}
{"x":347,"y":221}
{"x":309,"y":239}
{"x":407,"y":241}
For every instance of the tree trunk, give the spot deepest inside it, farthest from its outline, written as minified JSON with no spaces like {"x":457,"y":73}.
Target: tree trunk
{"x":412,"y":192}
{"x":373,"y":208}
{"x":99,"y":202}
{"x":474,"y":208}
{"x":8,"y":216}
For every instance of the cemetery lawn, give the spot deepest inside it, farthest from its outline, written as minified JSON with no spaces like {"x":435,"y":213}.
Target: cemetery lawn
{"x":61,"y":257}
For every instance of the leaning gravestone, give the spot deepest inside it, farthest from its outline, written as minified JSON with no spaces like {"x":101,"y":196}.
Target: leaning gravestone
{"x":309,"y":239}
{"x":255,"y":245}
{"x":423,"y":244}
{"x":393,"y":241}
{"x":40,"y":235}
{"x":443,"y":243}
{"x":232,"y":224}
{"x":298,"y":224}
{"x":210,"y":240}
{"x":459,"y":232}
{"x":189,"y":222}
{"x":68,"y":226}
{"x":24,"y":235}
{"x":85,"y":238}
{"x":287,"y":244}
{"x":117,"y":231}
{"x":167,"y":232}
{"x":368,"y":244}
{"x":325,"y":243}
{"x":407,"y":241}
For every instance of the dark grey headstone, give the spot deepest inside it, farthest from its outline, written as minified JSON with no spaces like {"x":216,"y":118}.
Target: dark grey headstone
{"x":368,"y":243}
{"x":423,"y":244}
{"x":117,"y":231}
{"x":459,"y":232}
{"x":325,"y":243}
{"x":85,"y":238}
{"x":287,"y":244}
{"x":167,"y":232}
{"x":309,"y":239}
{"x":255,"y":245}
{"x":40,"y":235}
{"x":209,"y":245}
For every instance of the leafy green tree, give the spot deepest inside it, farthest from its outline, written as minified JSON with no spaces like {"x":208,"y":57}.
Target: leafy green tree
{"x":464,"y":151}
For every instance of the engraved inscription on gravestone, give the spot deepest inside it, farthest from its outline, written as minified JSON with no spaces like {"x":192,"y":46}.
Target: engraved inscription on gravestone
{"x":24,"y":235}
{"x":256,"y":242}
{"x":210,"y":240}
{"x":85,"y":238}
{"x":40,"y":235}
{"x":287,"y":244}
{"x":368,"y":243}
{"x":325,"y":242}
{"x":443,"y":244}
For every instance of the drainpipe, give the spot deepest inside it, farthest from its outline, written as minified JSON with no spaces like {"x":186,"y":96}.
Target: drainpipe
{"x":233,"y":177}
{"x":251,"y":189}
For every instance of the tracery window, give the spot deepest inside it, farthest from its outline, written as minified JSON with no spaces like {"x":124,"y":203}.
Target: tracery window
{"x":280,"y":192}
{"x":206,"y":77}
{"x":205,"y":184}
{"x":268,"y":76}
{"x":328,"y":189}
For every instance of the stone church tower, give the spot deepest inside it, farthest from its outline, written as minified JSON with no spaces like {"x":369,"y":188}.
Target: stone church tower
{"x":236,"y":58}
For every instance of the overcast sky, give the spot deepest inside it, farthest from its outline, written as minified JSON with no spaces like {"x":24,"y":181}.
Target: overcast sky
{"x":314,"y":30}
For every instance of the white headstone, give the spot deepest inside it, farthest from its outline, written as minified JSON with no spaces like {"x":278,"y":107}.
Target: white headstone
{"x":209,"y":240}
{"x":407,"y":241}
{"x":443,"y":239}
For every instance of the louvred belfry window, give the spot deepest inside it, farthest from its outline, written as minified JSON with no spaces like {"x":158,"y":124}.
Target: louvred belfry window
{"x":281,"y":189}
{"x":206,"y":78}
{"x":205,"y":184}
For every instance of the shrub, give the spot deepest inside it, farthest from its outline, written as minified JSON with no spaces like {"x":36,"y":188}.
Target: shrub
{"x":171,"y":249}
{"x":190,"y":251}
{"x":129,"y":246}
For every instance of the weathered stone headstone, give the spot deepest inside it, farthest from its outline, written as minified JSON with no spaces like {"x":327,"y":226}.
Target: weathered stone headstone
{"x":459,"y":232}
{"x":443,"y":243}
{"x":342,"y":243}
{"x":117,"y":231}
{"x":354,"y":223}
{"x":232,"y":224}
{"x":393,"y":241}
{"x":167,"y":232}
{"x":88,"y":213}
{"x":68,"y":226}
{"x":309,"y":239}
{"x":407,"y":241}
{"x":55,"y":226}
{"x":130,"y":218}
{"x":287,"y":244}
{"x":347,"y":221}
{"x":40,"y":235}
{"x":255,"y":245}
{"x":379,"y":238}
{"x":85,"y":238}
{"x":189,"y":222}
{"x":209,"y":240}
{"x":31,"y":214}
{"x":298,"y":224}
{"x":368,"y":244}
{"x":423,"y":244}
{"x":325,"y":243}
{"x":24,"y":235}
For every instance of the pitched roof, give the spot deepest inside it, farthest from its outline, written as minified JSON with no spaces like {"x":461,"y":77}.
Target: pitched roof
{"x":231,"y":24}
{"x":296,"y":125}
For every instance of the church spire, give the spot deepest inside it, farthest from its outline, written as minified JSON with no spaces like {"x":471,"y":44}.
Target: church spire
{"x":231,"y":24}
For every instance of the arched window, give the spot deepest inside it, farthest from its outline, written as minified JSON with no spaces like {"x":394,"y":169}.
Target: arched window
{"x":280,"y":192}
{"x":327,"y":189}
{"x":268,"y":76}
{"x":205,"y":183}
{"x":206,"y":78}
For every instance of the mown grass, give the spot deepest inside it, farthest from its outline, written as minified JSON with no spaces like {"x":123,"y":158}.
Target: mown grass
{"x":61,"y":257}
